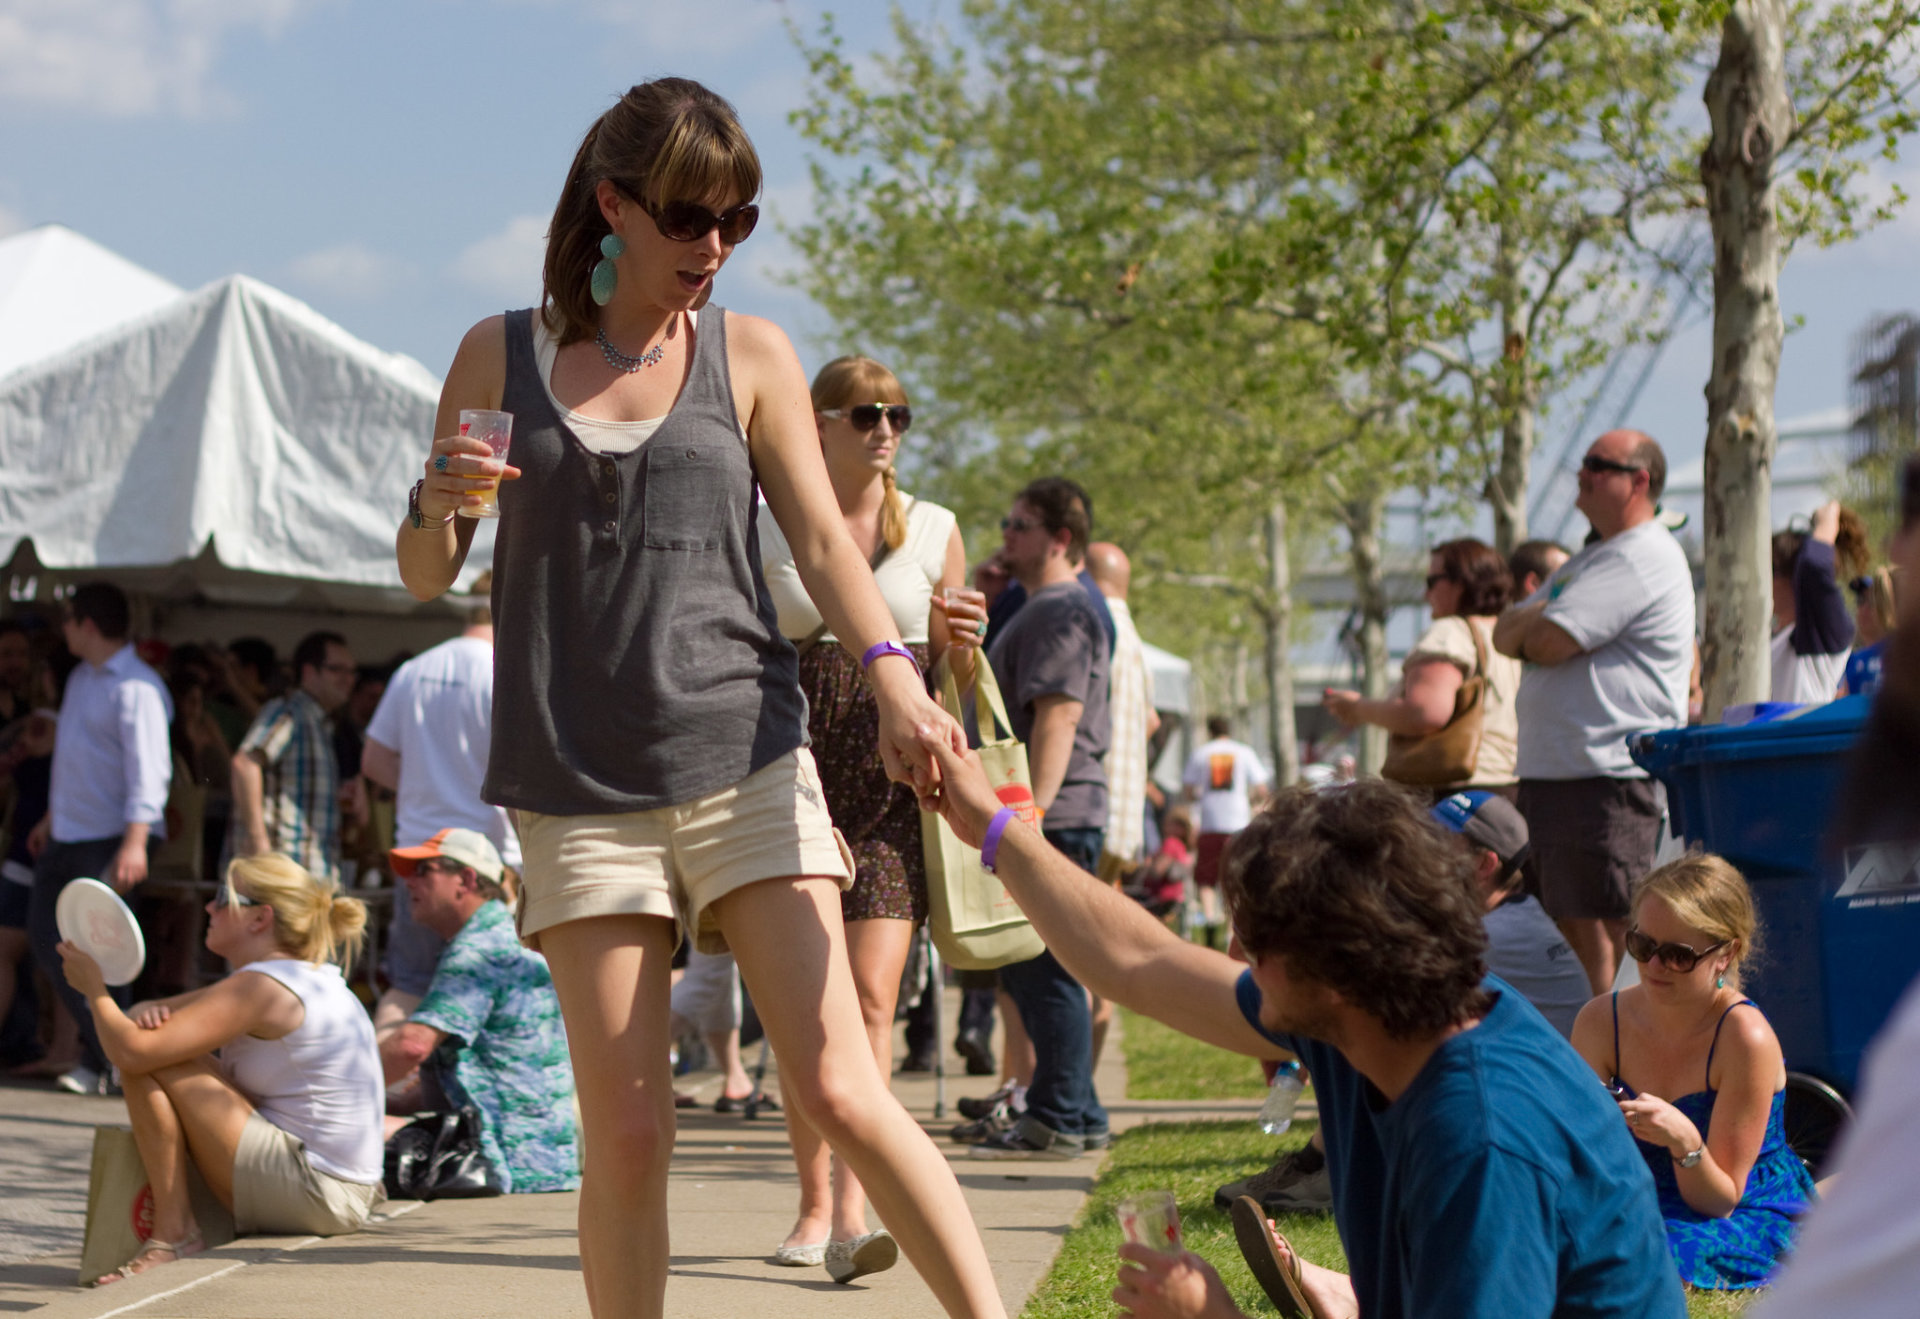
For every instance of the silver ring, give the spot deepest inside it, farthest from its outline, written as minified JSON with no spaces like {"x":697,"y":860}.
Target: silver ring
{"x":440,"y":463}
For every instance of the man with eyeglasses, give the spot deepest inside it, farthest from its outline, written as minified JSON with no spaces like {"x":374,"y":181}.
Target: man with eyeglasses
{"x":286,"y":781}
{"x":1608,"y":644}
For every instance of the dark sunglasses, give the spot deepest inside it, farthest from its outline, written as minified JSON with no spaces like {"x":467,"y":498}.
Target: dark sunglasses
{"x":865,"y":416}
{"x":1596,"y":466}
{"x":686,"y":222}
{"x":1018,"y":524}
{"x":1679,"y":957}
{"x":226,"y":897}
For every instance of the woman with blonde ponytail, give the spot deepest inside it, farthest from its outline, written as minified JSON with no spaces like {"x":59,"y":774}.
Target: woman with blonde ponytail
{"x":916,"y":554}
{"x":268,"y":1080}
{"x":649,"y":727}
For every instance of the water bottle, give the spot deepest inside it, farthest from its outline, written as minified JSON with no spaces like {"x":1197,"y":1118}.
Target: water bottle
{"x":1283,"y":1092}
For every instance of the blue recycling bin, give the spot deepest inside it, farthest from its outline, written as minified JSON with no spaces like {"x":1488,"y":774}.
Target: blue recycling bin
{"x":1841,"y":934}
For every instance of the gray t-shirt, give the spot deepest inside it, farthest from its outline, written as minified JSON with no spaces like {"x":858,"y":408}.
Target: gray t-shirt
{"x":1628,"y":602}
{"x":1526,"y":949}
{"x":1056,"y":645}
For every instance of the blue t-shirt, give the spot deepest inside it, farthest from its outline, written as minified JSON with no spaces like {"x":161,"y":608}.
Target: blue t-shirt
{"x":1501,"y":1183}
{"x":1862,"y":676}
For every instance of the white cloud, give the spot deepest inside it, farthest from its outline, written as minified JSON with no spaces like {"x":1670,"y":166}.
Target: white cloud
{"x":507,"y":263}
{"x":349,"y":270}
{"x":121,"y":58}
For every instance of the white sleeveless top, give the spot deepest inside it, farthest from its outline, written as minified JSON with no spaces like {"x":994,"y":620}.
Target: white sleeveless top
{"x":321,"y":1081}
{"x":907,"y":578}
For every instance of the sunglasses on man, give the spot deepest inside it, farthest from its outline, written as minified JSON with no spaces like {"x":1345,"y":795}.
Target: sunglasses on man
{"x":687,"y":222}
{"x":1679,"y":958}
{"x":865,"y":416}
{"x":1594,"y":465}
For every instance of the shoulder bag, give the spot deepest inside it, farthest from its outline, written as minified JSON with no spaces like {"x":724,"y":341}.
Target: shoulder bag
{"x":437,"y":1156}
{"x":1449,"y":755}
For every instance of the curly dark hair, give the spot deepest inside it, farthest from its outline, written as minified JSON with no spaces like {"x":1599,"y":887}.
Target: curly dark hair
{"x":1359,"y":889}
{"x":1485,"y":581}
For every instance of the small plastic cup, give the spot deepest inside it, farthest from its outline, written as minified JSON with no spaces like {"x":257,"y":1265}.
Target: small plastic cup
{"x":495,"y":429}
{"x":1152,"y":1219}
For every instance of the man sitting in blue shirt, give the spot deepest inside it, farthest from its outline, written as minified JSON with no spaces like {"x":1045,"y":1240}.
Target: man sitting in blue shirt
{"x":1477,"y":1167}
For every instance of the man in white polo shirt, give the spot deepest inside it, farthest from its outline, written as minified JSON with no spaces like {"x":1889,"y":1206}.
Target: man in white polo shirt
{"x":1227,"y":779}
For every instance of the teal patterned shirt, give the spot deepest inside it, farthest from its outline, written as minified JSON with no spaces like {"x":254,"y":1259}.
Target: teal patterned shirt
{"x":505,"y":1051}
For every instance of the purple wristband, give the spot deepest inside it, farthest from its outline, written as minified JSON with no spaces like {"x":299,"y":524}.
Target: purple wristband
{"x":990,"y":845}
{"x":879,"y":648}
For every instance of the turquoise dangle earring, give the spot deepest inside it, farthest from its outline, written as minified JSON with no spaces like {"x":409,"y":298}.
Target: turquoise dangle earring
{"x":604,"y":273}
{"x":1720,"y":982}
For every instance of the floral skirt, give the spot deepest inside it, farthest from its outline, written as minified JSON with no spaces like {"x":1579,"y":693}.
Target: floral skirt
{"x":880,"y":819}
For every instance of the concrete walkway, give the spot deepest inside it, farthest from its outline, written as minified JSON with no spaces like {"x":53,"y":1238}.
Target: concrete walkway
{"x":732,"y":1196}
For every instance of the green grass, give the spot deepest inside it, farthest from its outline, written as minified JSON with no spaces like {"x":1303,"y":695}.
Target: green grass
{"x":1164,"y":1064}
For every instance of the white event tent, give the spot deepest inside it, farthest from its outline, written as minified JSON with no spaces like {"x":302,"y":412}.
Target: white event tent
{"x":235,"y":460}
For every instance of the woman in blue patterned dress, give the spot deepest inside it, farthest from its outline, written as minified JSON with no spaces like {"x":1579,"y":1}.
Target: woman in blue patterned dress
{"x":1729,"y":1186}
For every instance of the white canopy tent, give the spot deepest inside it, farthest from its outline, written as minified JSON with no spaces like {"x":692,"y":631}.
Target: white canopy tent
{"x":58,"y":289}
{"x":231,"y":448}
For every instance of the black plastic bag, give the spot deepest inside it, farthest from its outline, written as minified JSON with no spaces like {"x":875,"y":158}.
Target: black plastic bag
{"x":437,"y":1156}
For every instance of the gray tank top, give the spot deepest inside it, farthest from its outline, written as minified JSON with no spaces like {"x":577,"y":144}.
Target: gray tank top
{"x":639,"y":663}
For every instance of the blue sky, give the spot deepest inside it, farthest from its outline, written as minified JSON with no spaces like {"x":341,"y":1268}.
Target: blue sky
{"x":394,"y":163}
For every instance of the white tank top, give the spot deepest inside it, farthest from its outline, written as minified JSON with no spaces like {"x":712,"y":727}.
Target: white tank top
{"x":321,"y":1081}
{"x":906,"y":578}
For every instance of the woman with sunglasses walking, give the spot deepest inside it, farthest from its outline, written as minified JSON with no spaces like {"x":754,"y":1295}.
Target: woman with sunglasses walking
{"x":915,"y":549}
{"x":1730,"y":1187}
{"x":649,"y":727}
{"x":268,"y":1081}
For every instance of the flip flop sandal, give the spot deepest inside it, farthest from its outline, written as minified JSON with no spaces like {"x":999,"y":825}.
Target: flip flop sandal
{"x":1277,"y":1274}
{"x":182,"y":1249}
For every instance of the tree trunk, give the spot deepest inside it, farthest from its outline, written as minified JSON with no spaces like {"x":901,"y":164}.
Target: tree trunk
{"x":1282,"y":739}
{"x":1747,"y":102}
{"x":1364,"y":517}
{"x":1506,"y":488}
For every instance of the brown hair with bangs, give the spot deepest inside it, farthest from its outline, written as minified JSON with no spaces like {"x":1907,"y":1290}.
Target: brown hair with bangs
{"x":846,"y":382}
{"x":1485,"y":581}
{"x":666,"y":140}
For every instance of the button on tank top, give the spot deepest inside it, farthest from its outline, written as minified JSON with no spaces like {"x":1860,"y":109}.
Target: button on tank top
{"x":638,"y":662}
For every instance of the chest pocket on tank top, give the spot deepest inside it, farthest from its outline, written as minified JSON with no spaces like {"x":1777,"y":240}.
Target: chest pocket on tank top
{"x":686,"y":498}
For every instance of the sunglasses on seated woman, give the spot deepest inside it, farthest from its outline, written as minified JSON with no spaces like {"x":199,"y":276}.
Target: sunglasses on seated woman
{"x":1680,"y":958}
{"x":227,"y":897}
{"x":685,"y":222}
{"x":865,"y":416}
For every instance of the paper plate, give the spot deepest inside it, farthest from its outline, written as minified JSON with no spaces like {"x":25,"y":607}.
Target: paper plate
{"x":92,"y":916}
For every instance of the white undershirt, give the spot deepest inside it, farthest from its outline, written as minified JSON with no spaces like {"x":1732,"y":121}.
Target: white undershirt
{"x":598,"y":435}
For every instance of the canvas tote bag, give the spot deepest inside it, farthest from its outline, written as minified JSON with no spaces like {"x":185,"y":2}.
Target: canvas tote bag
{"x":120,"y":1205}
{"x":976,"y":925}
{"x":1449,"y":755}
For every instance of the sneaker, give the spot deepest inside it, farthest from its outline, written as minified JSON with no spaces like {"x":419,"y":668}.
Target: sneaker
{"x":82,"y":1080}
{"x":1096,"y":1140}
{"x":970,"y":1107}
{"x":992,"y":1124}
{"x":1029,"y":1140}
{"x":1300,"y":1177}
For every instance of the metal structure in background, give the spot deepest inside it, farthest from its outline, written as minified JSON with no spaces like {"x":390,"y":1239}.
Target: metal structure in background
{"x":1686,"y":261}
{"x":1883,"y":386}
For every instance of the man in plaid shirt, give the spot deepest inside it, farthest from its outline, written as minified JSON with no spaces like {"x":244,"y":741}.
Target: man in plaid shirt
{"x":286,"y":783}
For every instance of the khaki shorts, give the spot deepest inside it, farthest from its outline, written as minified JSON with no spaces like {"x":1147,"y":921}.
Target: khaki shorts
{"x":678,"y":861}
{"x":276,"y":1190}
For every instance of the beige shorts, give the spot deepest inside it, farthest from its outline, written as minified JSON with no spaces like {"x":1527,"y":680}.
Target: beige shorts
{"x":678,"y":861}
{"x":276,"y":1190}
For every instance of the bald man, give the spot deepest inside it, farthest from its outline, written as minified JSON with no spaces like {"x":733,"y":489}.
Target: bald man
{"x":1608,"y":644}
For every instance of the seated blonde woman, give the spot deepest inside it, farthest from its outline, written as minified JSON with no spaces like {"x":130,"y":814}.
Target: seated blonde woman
{"x":268,"y":1080}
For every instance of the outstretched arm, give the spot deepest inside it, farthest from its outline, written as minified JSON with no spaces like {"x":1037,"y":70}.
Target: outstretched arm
{"x":1105,"y":939}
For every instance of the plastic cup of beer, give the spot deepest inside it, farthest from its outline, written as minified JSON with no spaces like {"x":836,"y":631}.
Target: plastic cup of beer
{"x":495,"y":430}
{"x":1152,"y":1219}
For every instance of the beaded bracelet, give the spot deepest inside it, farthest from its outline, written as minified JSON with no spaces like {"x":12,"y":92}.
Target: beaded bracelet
{"x":990,"y":845}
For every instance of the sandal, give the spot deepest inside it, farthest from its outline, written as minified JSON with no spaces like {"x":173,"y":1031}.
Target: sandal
{"x":1278,"y":1274}
{"x":189,"y":1245}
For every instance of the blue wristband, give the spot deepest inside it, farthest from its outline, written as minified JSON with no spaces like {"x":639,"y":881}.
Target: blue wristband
{"x":879,"y":648}
{"x":990,"y":845}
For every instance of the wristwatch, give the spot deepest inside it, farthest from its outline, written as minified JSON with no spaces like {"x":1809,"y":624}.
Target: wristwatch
{"x":1691,"y":1159}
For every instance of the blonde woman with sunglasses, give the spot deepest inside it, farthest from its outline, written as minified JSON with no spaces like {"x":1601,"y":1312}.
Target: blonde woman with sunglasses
{"x":649,"y":727}
{"x":267,"y":1080}
{"x":1730,"y":1187}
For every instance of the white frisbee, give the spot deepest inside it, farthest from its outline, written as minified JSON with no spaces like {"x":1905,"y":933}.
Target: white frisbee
{"x":92,"y":917}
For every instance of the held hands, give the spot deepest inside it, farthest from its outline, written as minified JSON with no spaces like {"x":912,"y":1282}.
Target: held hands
{"x":1657,"y":1122}
{"x":1342,"y":705}
{"x":470,"y":469}
{"x":1154,"y":1284}
{"x":83,"y":973}
{"x":905,"y":709}
{"x":965,"y":798}
{"x":966,"y":615}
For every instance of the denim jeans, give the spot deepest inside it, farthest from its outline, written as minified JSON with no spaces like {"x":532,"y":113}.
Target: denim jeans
{"x":59,"y":866}
{"x":1053,"y":1006}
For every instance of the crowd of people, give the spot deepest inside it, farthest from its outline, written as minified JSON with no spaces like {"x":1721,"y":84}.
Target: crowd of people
{"x":707,"y":726}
